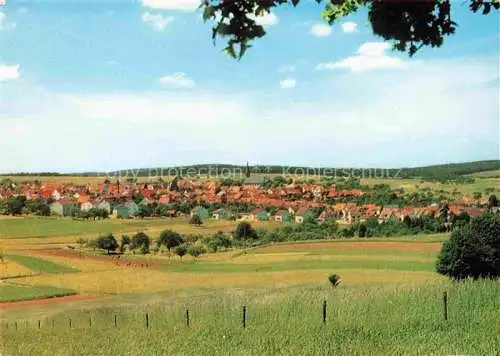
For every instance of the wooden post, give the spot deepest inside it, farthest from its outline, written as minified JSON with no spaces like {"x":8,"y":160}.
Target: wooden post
{"x":445,"y":305}
{"x":38,"y":324}
{"x":115,"y":322}
{"x":244,"y":319}
{"x":70,"y":323}
{"x":15,"y":324}
{"x":147,"y":320}
{"x":187,"y":316}
{"x":90,"y":321}
{"x":52,"y":323}
{"x":324,"y":311}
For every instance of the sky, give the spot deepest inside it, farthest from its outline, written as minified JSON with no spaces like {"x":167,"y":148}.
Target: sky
{"x":88,"y":85}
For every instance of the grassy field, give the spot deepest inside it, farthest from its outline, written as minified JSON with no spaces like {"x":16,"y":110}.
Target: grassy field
{"x":34,"y":233}
{"x":361,"y":321}
{"x":13,"y":292}
{"x":390,"y":302}
{"x":412,"y":185}
{"x":36,"y":264}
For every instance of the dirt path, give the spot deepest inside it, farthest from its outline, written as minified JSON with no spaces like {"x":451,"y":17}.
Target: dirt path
{"x":37,"y":302}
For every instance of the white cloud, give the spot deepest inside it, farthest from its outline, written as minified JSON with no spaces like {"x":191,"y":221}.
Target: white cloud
{"x":183,"y":5}
{"x":266,"y":19}
{"x":320,"y":30}
{"x":177,"y":80}
{"x":374,"y":120}
{"x":5,"y":24}
{"x":370,"y":56}
{"x":349,"y":27}
{"x":288,"y":83}
{"x":287,"y":69}
{"x":9,"y":72}
{"x":158,"y":21}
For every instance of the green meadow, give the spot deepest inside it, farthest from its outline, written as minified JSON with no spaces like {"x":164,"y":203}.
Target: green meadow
{"x":12,"y":292}
{"x":390,"y":301}
{"x":360,"y":321}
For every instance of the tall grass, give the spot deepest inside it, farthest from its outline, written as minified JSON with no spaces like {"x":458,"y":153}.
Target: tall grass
{"x":360,"y":321}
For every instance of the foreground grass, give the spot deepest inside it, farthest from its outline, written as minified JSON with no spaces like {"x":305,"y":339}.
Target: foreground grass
{"x":360,"y":321}
{"x":40,"y":265}
{"x":13,"y":292}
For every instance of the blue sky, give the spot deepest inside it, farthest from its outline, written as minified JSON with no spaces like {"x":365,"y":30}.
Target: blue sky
{"x":121,"y":84}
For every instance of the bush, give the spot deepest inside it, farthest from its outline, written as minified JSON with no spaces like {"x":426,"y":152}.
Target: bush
{"x":195,"y":251}
{"x":180,"y":251}
{"x":245,"y":231}
{"x":473,"y":251}
{"x":195,"y":220}
{"x":107,"y":243}
{"x":335,"y":280}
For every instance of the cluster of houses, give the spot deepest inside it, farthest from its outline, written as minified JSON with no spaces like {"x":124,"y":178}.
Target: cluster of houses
{"x":296,"y":202}
{"x":342,"y":212}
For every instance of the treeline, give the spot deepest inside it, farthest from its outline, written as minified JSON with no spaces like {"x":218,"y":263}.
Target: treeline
{"x":450,"y":171}
{"x":245,"y":235}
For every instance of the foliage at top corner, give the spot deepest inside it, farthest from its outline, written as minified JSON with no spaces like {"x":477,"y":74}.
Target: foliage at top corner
{"x":409,"y":25}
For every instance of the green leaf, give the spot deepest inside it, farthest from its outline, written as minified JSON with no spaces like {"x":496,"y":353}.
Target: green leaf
{"x":230,"y":51}
{"x":208,"y":12}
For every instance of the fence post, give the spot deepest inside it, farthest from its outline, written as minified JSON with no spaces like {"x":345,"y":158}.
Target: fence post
{"x":324,"y":311}
{"x":115,"y":322}
{"x":187,"y":316}
{"x":90,"y":321}
{"x":70,"y":323}
{"x":147,"y":320}
{"x":38,"y":324}
{"x":445,"y":305}
{"x":15,"y":324}
{"x":244,"y":320}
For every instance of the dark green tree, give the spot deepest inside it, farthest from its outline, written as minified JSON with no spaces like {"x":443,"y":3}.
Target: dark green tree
{"x":410,"y":25}
{"x":492,"y":201}
{"x":245,"y":231}
{"x":107,"y":242}
{"x":140,"y":241}
{"x":15,"y":205}
{"x":473,"y":250}
{"x":170,"y":239}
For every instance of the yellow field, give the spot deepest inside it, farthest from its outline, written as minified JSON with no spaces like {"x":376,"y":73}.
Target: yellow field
{"x":10,"y":269}
{"x":150,"y":281}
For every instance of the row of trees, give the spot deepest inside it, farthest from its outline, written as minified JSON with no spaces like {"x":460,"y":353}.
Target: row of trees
{"x":19,"y":205}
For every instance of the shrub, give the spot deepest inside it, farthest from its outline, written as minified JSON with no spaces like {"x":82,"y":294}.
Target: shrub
{"x":180,"y":251}
{"x":195,"y":251}
{"x":107,"y":243}
{"x":245,"y":231}
{"x":335,"y":280}
{"x":195,"y":220}
{"x":473,"y":250}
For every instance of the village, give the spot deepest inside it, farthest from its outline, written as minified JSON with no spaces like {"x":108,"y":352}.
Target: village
{"x":249,"y":200}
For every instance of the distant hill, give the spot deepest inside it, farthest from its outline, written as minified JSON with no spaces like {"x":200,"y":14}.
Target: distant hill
{"x":435,"y":172}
